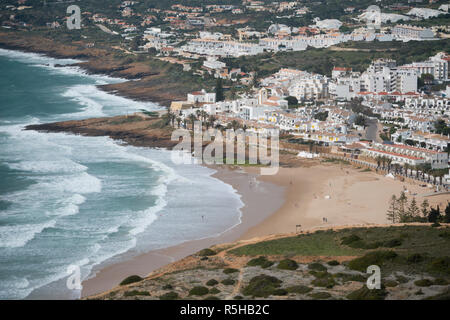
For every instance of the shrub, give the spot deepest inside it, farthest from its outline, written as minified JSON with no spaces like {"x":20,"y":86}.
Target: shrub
{"x":327,"y":282}
{"x":350,"y":239}
{"x":260,"y":261}
{"x":212,"y":282}
{"x":401,"y":279}
{"x":320,"y":295}
{"x":436,"y":224}
{"x":261,"y":286}
{"x":169,"y":296}
{"x":198,"y":291}
{"x":390,"y":283}
{"x":287,"y":264}
{"x":333,"y":263}
{"x":131,"y":279}
{"x":440,"y":265}
{"x":211,"y":298}
{"x":167,"y":287}
{"x":136,"y":293}
{"x":206,"y":252}
{"x":230,"y":270}
{"x":367,"y":294}
{"x":415,"y":258}
{"x":228,"y":282}
{"x":423,"y":283}
{"x":317,"y":266}
{"x":445,"y":235}
{"x":214,"y":291}
{"x":238,"y":298}
{"x":393,"y":243}
{"x":299,"y":289}
{"x":279,"y":292}
{"x":371,"y":258}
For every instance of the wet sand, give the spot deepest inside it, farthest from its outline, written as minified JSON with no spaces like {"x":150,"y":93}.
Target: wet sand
{"x":278,"y":204}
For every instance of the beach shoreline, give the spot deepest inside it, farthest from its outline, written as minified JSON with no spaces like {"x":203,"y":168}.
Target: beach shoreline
{"x":307,"y":194}
{"x":260,"y":199}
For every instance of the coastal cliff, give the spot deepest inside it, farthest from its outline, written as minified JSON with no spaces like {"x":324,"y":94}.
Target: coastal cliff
{"x":149,"y":80}
{"x":137,"y":130}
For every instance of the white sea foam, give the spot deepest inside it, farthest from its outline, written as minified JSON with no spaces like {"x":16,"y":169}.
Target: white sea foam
{"x":49,"y":166}
{"x":16,"y":236}
{"x":97,"y":103}
{"x":67,"y":191}
{"x":91,"y":107}
{"x":35,"y":58}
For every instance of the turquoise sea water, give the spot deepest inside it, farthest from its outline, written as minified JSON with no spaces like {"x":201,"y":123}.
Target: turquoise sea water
{"x":71,"y":200}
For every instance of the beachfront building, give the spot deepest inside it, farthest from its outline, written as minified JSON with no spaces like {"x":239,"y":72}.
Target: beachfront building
{"x":396,"y":158}
{"x":410,"y":155}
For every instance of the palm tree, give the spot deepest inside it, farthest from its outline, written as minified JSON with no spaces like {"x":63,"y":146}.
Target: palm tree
{"x":383,"y":161}
{"x":388,"y":161}
{"x":192,"y":119}
{"x":406,"y":169}
{"x":417,"y":172}
{"x":378,"y":158}
{"x":204,"y":114}
{"x":210,"y":121}
{"x":235,"y":125}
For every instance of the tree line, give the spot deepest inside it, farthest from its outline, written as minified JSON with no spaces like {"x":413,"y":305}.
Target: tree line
{"x":401,"y":210}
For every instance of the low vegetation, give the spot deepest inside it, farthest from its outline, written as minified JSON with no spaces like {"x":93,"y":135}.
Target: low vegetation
{"x":414,"y":262}
{"x":261,"y":262}
{"x":287,"y":264}
{"x":262,"y":286}
{"x":131,"y":279}
{"x":206,"y":252}
{"x":198,"y":291}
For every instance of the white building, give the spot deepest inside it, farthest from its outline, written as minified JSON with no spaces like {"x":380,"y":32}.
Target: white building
{"x":201,"y":97}
{"x":383,"y":76}
{"x":436,"y":66}
{"x":407,"y":32}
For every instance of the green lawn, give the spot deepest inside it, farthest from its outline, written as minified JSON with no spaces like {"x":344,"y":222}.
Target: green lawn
{"x":317,"y":244}
{"x":427,"y":241}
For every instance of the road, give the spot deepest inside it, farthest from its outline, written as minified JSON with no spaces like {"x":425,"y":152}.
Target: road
{"x":372,"y":130}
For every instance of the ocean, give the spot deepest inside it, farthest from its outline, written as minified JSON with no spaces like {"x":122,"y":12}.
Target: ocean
{"x":68,"y":200}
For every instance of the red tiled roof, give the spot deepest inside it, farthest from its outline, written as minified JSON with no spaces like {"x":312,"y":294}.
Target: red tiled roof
{"x":396,"y":154}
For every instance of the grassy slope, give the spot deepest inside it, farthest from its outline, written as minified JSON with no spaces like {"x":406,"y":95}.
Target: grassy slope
{"x":430,"y":243}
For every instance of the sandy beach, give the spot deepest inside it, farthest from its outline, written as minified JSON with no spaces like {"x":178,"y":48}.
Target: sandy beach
{"x":304,"y":195}
{"x":261,"y":199}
